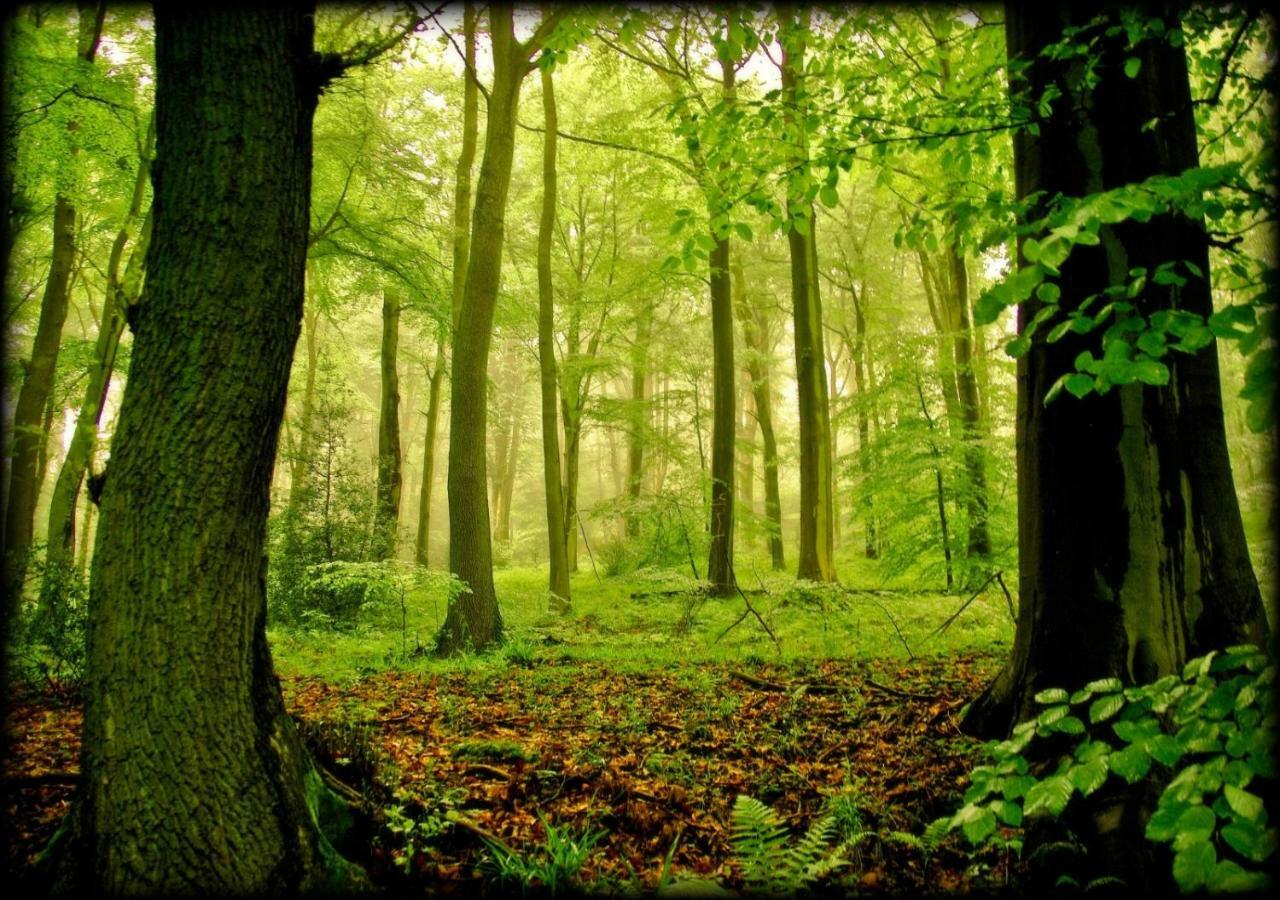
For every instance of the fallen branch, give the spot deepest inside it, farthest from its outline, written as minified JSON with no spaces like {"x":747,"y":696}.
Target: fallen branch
{"x":1013,"y":616}
{"x":341,"y":788}
{"x":955,"y":615}
{"x":486,"y":769}
{"x":897,"y":692}
{"x":765,"y":685}
{"x":476,"y":828}
{"x":750,"y":610}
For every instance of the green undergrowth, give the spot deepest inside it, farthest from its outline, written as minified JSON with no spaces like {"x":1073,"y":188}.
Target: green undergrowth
{"x":656,"y":618}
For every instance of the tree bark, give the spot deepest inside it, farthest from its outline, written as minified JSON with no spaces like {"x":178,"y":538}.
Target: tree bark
{"x":194,"y":778}
{"x":817,"y":562}
{"x":1133,"y":557}
{"x":474,"y":618}
{"x":390,"y":476}
{"x":558,"y":578}
{"x":640,"y":417}
{"x":461,"y":250}
{"x":723,"y":421}
{"x":862,"y":352}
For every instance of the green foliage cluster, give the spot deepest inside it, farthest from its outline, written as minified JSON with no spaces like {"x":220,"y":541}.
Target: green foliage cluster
{"x":1208,"y":735}
{"x":47,"y":642}
{"x":770,"y":862}
{"x":550,"y":869}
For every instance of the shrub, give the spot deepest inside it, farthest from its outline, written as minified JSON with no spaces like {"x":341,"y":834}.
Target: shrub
{"x":1207,"y":735}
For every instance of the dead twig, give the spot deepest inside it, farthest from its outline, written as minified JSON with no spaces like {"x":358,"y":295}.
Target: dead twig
{"x":955,"y":615}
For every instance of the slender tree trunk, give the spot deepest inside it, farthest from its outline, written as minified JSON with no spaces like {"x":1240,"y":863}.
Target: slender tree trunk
{"x":860,"y":353}
{"x":300,"y":464}
{"x":970,"y":413}
{"x":640,"y":415}
{"x":1132,"y":551}
{"x":940,"y":491}
{"x":390,"y":476}
{"x":461,"y":249}
{"x":29,"y":440}
{"x":193,"y":776}
{"x":558,"y":579}
{"x":572,"y":451}
{"x":747,"y":423}
{"x":509,"y":465}
{"x":723,"y":422}
{"x":817,"y":509}
{"x":474,"y":618}
{"x":754,"y":335}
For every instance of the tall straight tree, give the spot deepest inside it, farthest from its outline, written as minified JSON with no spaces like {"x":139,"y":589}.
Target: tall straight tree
{"x":389,"y":459}
{"x":474,"y":618}
{"x":461,"y":244}
{"x":559,"y":575}
{"x":30,"y":435}
{"x":193,"y":775}
{"x":1131,"y":547}
{"x":122,"y":291}
{"x":817,"y":505}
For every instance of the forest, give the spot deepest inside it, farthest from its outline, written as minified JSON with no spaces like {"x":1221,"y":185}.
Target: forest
{"x":699,"y":450}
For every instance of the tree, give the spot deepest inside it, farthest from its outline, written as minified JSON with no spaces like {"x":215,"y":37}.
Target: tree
{"x":817,"y":505}
{"x":183,"y":712}
{"x":389,"y":474}
{"x":474,"y":618}
{"x":558,"y":579}
{"x":460,"y":243}
{"x":30,"y":436}
{"x":1132,"y":550}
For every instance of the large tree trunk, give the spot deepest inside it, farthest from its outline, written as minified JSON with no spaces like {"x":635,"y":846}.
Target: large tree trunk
{"x":390,"y":476}
{"x":558,"y":580}
{"x":474,"y":618}
{"x":1131,"y":546}
{"x":755,"y":336}
{"x":194,"y":778}
{"x":817,"y":508}
{"x":461,"y":250}
{"x":26,"y":469}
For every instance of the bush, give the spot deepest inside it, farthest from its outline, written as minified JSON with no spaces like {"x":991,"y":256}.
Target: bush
{"x":48,"y":639}
{"x":1207,"y":736}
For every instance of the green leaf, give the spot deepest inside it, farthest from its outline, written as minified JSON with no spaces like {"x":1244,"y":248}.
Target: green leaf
{"x":1249,"y":840}
{"x":1079,"y":384}
{"x":1050,"y":795}
{"x":744,"y":230}
{"x":1196,"y":823}
{"x":1088,"y":777}
{"x":1228,"y":877}
{"x":1049,"y":292}
{"x":1132,"y":763}
{"x":978,"y":827}
{"x":1105,"y":707}
{"x":1244,"y":803}
{"x":1132,"y":66}
{"x":1163,"y":825}
{"x":1193,"y":866}
{"x":1031,"y":250}
{"x":830,"y":199}
{"x":1051,"y":695}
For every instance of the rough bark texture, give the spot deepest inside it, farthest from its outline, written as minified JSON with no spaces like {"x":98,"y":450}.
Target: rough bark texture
{"x":474,"y":618}
{"x":194,"y":779}
{"x":817,"y":562}
{"x":461,"y":252}
{"x":558,"y":579}
{"x":1132,"y":550}
{"x":861,"y":352}
{"x":26,"y":469}
{"x":640,"y":417}
{"x":390,"y":476}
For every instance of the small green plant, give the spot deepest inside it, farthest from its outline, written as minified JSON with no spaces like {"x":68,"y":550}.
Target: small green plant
{"x":551,"y":868}
{"x":769,"y":862}
{"x":494,"y":751}
{"x":414,"y":822}
{"x":49,"y":636}
{"x":519,"y":650}
{"x":1208,"y":734}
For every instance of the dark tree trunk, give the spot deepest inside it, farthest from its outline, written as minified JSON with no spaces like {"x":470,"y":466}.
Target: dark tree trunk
{"x":194,"y":778}
{"x":1132,"y":550}
{"x":461,"y":251}
{"x":723,"y":423}
{"x":979,"y":546}
{"x":549,"y":378}
{"x":817,"y":509}
{"x":390,"y":477}
{"x":862,"y":352}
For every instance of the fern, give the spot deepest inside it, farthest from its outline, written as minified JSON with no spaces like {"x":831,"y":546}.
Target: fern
{"x":768,"y":864}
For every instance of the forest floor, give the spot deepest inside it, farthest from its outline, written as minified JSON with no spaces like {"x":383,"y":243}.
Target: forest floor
{"x":550,"y":741}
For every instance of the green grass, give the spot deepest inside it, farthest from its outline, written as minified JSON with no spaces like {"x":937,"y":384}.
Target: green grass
{"x":608,"y":624}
